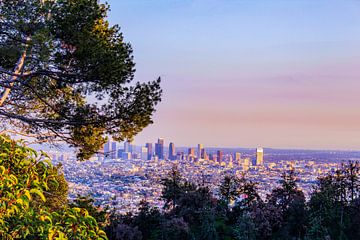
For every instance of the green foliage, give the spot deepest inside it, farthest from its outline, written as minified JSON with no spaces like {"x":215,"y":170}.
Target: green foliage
{"x":66,"y":74}
{"x":192,"y":212}
{"x":334,"y":204}
{"x":100,"y":214}
{"x":26,"y":178}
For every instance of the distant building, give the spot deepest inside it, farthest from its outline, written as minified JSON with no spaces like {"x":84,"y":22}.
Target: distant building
{"x":259,"y":156}
{"x":203,"y":154}
{"x":219,"y":155}
{"x":246,"y":164}
{"x":128,"y":146}
{"x":107,"y":149}
{"x":237,"y":156}
{"x":159,"y":148}
{"x":191,"y":154}
{"x":126,"y":156}
{"x":144,"y":153}
{"x":113,"y":151}
{"x":172,"y":152}
{"x":150,"y":150}
{"x":119,"y":153}
{"x":199,"y":151}
{"x":180,"y":156}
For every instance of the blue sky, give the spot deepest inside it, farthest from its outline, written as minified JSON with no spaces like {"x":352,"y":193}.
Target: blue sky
{"x":248,"y":73}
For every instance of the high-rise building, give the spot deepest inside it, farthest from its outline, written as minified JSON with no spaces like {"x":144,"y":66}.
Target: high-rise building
{"x":126,"y":156}
{"x":113,"y":152}
{"x":127,"y":146}
{"x":150,"y":150}
{"x":259,"y":156}
{"x":172,"y":152}
{"x":203,"y":154}
{"x":159,"y":148}
{"x":107,"y":150}
{"x":144,"y":153}
{"x":191,"y":152}
{"x":246,"y":164}
{"x":237,"y":156}
{"x":199,"y":150}
{"x":219,"y":155}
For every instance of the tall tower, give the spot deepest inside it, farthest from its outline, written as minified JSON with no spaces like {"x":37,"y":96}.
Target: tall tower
{"x":144,"y":153}
{"x":219,"y":155}
{"x":149,"y":150}
{"x":203,"y":154}
{"x":199,"y":150}
{"x":107,"y":150}
{"x":172,"y":152}
{"x":113,"y":153}
{"x":159,"y":148}
{"x":127,"y":147}
{"x":259,"y":156}
{"x":191,"y":154}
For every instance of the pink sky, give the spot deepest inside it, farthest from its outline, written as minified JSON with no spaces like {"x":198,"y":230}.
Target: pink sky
{"x":284,"y":74}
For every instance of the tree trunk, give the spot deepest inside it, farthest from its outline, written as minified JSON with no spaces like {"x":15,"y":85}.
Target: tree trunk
{"x":14,"y":77}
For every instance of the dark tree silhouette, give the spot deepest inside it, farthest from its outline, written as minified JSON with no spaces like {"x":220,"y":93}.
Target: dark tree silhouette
{"x":65,"y":75}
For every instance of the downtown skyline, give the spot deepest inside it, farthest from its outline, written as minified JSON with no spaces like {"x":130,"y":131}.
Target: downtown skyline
{"x":251,"y":73}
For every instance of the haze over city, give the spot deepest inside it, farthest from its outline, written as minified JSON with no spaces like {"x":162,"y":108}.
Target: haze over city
{"x":280,"y":74}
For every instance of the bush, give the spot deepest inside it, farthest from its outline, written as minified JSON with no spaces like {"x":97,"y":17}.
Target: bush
{"x":25,"y":177}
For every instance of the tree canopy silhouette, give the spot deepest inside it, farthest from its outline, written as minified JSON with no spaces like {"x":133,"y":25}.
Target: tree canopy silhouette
{"x":65,"y":74}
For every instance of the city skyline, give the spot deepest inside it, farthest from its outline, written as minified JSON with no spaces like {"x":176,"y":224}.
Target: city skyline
{"x":280,"y":74}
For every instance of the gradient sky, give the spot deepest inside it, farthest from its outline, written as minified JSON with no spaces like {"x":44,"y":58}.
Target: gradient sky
{"x":279,"y":73}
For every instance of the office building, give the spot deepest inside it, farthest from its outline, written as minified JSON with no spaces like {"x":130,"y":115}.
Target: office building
{"x":203,"y":154}
{"x":128,"y":146}
{"x":237,"y":156}
{"x":172,"y":152}
{"x":219,"y":155}
{"x":259,"y":156}
{"x":150,"y":150}
{"x":113,"y":151}
{"x":159,"y":148}
{"x":126,"y":156}
{"x":246,"y":164}
{"x":199,"y":150}
{"x":144,"y":153}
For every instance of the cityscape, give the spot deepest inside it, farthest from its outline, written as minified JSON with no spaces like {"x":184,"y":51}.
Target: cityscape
{"x":179,"y":120}
{"x":123,"y":174}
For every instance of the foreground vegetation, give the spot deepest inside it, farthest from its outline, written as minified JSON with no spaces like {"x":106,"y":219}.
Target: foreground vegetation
{"x":192,"y":212}
{"x":34,"y":205}
{"x":33,"y":199}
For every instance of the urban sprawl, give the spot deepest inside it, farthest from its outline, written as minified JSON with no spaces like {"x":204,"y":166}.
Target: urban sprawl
{"x":124,"y":174}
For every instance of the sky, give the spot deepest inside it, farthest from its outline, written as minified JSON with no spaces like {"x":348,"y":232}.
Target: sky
{"x":248,"y":73}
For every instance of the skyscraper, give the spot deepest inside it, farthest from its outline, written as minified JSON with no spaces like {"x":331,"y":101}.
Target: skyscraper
{"x":219,"y":155}
{"x":246,"y":164}
{"x":199,"y":150}
{"x":259,"y":156}
{"x":127,"y":146}
{"x":191,"y":151}
{"x":144,"y":153}
{"x":191,"y":154}
{"x":172,"y":153}
{"x":159,"y":148}
{"x":107,"y":150}
{"x":150,"y":150}
{"x":113,"y":153}
{"x":237,"y":156}
{"x":203,"y":154}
